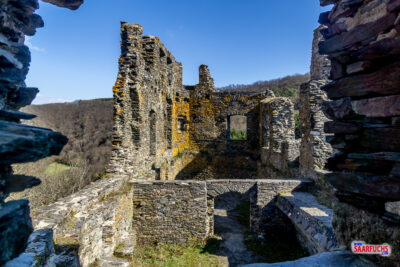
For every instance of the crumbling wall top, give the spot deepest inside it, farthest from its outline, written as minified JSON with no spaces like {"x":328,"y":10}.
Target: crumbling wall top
{"x":205,"y":79}
{"x":132,"y":29}
{"x":320,"y":64}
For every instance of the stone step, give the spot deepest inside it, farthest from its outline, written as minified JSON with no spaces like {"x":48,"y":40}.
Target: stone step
{"x":312,"y":221}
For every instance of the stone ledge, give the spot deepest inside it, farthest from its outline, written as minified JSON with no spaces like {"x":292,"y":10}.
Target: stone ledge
{"x":312,"y":220}
{"x":98,"y":204}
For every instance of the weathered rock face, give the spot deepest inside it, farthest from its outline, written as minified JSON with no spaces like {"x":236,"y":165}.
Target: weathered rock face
{"x":314,"y":149}
{"x":362,"y":42}
{"x":19,"y":143}
{"x":71,"y":4}
{"x":15,"y":228}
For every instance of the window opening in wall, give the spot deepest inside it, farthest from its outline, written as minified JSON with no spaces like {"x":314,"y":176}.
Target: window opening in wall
{"x":153,"y":132}
{"x":182,"y":123}
{"x":237,"y":127}
{"x":162,"y":53}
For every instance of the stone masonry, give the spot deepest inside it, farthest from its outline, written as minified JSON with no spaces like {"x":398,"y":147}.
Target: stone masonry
{"x":279,"y":147}
{"x":362,"y":41}
{"x":170,"y":212}
{"x":314,"y":148}
{"x":181,"y":211}
{"x":148,"y":79}
{"x":165,"y":131}
{"x":19,"y":143}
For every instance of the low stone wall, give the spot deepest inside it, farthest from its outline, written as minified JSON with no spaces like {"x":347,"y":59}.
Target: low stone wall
{"x":179,"y":211}
{"x":313,"y":221}
{"x":107,"y":219}
{"x":169,"y":211}
{"x":97,"y":220}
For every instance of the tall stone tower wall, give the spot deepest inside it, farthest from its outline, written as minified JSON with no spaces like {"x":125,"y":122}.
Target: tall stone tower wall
{"x":148,"y":80}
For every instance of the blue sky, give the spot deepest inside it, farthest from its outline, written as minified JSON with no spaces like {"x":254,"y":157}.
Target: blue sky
{"x":75,"y":56}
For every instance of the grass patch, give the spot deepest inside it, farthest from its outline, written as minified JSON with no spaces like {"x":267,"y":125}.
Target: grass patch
{"x":274,"y":249}
{"x":55,"y":168}
{"x":238,"y":135}
{"x":243,"y":210}
{"x":194,"y":254}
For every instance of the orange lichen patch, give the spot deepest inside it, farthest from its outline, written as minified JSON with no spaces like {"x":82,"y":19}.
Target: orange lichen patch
{"x":180,"y":138}
{"x":119,"y":110}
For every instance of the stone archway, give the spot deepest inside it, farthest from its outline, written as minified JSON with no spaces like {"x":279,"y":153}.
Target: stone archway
{"x":218,"y":188}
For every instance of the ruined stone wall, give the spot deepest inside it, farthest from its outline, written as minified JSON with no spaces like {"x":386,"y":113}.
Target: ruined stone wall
{"x":91,"y":225}
{"x":180,"y":211}
{"x":314,"y":148}
{"x":166,"y":131}
{"x":210,"y":112}
{"x":362,"y":41}
{"x":148,"y":80}
{"x":279,"y":147}
{"x":19,"y":143}
{"x":163,"y":130}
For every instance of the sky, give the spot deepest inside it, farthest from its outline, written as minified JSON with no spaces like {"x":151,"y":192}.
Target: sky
{"x":75,"y":56}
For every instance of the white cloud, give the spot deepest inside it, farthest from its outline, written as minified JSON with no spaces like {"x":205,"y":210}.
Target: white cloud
{"x":42,"y":99}
{"x":29,"y":44}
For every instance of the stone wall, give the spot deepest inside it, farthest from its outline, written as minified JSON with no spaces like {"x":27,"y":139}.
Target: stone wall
{"x":180,"y":211}
{"x":165,"y":131}
{"x":92,"y":225}
{"x":209,"y":126}
{"x":19,"y":143}
{"x":148,"y":79}
{"x":362,"y":41}
{"x":170,"y":212}
{"x":279,"y":147}
{"x":314,"y":148}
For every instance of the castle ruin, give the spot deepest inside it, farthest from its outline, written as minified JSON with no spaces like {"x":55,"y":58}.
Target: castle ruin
{"x":165,"y":130}
{"x":168,"y":136}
